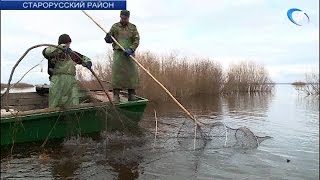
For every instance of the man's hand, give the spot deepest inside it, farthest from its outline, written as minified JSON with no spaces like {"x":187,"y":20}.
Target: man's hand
{"x":108,"y":38}
{"x":87,"y":64}
{"x":128,"y":52}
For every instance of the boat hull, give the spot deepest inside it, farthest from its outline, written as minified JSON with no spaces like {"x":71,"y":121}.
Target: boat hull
{"x":76,"y":121}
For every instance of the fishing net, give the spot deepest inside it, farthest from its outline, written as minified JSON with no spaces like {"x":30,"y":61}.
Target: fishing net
{"x":123,"y":150}
{"x":217,"y":135}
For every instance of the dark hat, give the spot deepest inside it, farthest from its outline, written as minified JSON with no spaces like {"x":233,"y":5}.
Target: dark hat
{"x":64,"y":39}
{"x":125,"y":13}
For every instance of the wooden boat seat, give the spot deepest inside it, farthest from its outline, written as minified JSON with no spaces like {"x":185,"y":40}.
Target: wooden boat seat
{"x":26,"y":101}
{"x":101,"y":96}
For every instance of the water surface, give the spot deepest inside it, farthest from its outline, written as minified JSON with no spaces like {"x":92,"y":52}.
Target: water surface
{"x":291,"y":119}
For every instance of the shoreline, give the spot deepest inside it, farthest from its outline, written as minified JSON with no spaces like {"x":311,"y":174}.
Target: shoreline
{"x":17,"y":86}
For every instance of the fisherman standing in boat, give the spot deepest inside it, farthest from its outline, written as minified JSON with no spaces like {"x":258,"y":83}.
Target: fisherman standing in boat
{"x":124,"y":70}
{"x":64,"y":90}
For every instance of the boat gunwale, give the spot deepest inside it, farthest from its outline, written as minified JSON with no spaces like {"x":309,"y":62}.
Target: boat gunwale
{"x":55,"y":111}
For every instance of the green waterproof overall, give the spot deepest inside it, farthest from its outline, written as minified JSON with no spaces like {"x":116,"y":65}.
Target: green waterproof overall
{"x":64,"y":90}
{"x":124,"y":70}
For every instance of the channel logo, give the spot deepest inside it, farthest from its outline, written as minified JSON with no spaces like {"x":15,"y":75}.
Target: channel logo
{"x":298,"y":17}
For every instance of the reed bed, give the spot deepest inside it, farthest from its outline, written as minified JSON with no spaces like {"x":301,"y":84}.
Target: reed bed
{"x":186,"y":77}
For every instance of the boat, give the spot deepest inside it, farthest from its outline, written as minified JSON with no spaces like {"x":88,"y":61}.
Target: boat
{"x":30,"y":120}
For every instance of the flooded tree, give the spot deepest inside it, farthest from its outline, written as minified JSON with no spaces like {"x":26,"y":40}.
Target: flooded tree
{"x":310,"y":86}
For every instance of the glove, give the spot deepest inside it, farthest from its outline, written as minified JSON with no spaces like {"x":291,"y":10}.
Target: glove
{"x":87,"y":64}
{"x":108,"y":38}
{"x":128,"y":52}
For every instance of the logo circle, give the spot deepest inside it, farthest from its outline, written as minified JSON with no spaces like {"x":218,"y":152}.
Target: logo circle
{"x":298,"y":17}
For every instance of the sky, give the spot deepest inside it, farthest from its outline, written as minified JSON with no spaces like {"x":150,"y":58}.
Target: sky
{"x":225,"y":31}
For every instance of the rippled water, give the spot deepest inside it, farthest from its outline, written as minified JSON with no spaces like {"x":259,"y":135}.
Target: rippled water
{"x":292,"y":121}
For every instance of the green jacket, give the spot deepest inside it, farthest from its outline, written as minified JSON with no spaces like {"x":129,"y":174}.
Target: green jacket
{"x":63,"y":64}
{"x":127,"y":36}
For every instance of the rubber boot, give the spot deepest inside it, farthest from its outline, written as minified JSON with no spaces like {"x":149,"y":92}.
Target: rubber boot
{"x":132,"y":95}
{"x":116,"y":97}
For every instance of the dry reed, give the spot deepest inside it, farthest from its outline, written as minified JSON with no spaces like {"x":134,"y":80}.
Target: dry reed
{"x":186,"y":77}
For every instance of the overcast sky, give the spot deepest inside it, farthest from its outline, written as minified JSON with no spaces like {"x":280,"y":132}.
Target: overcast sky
{"x":226,"y":31}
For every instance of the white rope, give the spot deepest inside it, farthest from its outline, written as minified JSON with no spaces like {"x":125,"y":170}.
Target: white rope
{"x":225,"y":143}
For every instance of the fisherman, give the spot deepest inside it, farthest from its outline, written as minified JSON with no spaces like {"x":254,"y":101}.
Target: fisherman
{"x":64,"y":90}
{"x":124,"y":70}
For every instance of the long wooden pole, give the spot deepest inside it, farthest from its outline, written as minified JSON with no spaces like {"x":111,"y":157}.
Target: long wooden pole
{"x":145,"y":70}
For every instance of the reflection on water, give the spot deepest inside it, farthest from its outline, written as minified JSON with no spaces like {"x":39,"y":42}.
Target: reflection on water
{"x":289,"y":118}
{"x":248,"y":102}
{"x":201,"y":105}
{"x":307,"y":103}
{"x":249,"y":108}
